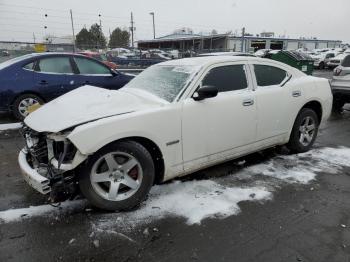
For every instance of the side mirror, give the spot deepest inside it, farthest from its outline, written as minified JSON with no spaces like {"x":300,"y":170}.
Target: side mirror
{"x":205,"y":92}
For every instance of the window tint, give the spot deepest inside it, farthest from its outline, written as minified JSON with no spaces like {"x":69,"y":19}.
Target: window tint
{"x":89,"y":67}
{"x":226,"y":78}
{"x":60,"y":65}
{"x":29,"y":66}
{"x":346,"y":61}
{"x":269,"y":75}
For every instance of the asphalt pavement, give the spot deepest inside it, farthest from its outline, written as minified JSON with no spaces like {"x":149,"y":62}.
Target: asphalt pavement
{"x":304,"y":217}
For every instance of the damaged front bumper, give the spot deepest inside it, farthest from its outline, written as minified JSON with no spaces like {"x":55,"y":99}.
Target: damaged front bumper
{"x":32,"y":176}
{"x":48,"y":161}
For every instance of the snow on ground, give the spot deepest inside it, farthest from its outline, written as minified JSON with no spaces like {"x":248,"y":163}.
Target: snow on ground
{"x":34,"y":211}
{"x":196,"y":200}
{"x":4,"y":127}
{"x":215,"y":198}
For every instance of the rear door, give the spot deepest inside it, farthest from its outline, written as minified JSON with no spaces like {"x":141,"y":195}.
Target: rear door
{"x":51,"y":76}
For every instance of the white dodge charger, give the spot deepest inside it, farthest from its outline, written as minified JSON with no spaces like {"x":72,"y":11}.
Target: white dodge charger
{"x":171,"y":120}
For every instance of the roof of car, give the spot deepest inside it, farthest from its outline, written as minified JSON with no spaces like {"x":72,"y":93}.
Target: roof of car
{"x":203,"y":60}
{"x":226,"y":54}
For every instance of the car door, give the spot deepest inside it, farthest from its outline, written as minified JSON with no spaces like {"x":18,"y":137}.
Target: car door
{"x":90,"y":72}
{"x":273,"y":100}
{"x":216,"y":128}
{"x":51,"y":76}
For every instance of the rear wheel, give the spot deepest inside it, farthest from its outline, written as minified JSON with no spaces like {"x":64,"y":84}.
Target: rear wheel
{"x":118,"y":177}
{"x":22,"y":104}
{"x":321,"y":65}
{"x":304,"y":131}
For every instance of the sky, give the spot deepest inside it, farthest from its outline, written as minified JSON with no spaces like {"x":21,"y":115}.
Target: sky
{"x":20,"y":19}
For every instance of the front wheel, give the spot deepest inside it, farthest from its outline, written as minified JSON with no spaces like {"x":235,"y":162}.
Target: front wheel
{"x":118,"y":176}
{"x":304,"y":131}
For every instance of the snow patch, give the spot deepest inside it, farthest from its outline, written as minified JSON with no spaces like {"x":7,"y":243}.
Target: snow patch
{"x":194,"y":201}
{"x":11,"y":126}
{"x":12,"y":215}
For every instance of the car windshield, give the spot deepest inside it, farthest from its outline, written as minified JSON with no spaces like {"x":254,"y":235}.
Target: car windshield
{"x":163,"y":81}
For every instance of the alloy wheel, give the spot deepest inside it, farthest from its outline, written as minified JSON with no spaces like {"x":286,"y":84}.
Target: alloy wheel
{"x":116,"y":176}
{"x":307,"y":131}
{"x":24,"y":105}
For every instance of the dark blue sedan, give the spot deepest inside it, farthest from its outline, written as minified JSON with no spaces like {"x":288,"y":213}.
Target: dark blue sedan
{"x":39,"y":78}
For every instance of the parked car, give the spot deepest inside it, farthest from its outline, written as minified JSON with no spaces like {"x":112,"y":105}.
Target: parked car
{"x":174,"y":118}
{"x":100,"y":57}
{"x":336,"y":61}
{"x":261,"y":52}
{"x":322,"y":59}
{"x":39,"y":78}
{"x":5,"y":53}
{"x":341,"y":84}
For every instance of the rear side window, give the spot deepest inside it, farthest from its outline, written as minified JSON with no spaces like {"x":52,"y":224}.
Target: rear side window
{"x":89,"y":67}
{"x":346,"y":61}
{"x":58,"y":65}
{"x":269,"y":75}
{"x":226,"y":78}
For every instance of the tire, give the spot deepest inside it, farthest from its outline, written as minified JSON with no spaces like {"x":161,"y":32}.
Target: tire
{"x":321,"y":65}
{"x":105,"y":173}
{"x":302,"y":138}
{"x":337,"y":106}
{"x":19,"y":109}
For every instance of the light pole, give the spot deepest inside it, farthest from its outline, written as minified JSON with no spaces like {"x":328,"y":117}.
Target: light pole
{"x":154,"y":27}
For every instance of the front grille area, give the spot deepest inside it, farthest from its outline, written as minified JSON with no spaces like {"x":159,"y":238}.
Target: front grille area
{"x":36,"y":146}
{"x":58,"y":150}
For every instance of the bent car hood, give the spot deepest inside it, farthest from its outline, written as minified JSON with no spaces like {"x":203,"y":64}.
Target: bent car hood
{"x":85,"y":104}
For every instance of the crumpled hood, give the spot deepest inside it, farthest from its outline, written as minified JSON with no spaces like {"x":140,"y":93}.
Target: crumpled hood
{"x":85,"y":104}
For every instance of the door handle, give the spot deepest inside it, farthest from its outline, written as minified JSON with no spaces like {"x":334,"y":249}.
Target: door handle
{"x":43,"y":82}
{"x":248,"y":102}
{"x":296,"y":93}
{"x":87,"y":82}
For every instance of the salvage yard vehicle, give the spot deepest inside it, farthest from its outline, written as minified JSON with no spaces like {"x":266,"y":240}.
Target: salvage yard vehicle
{"x":100,"y":57}
{"x":336,"y":61}
{"x":321,"y":60}
{"x":38,"y":78}
{"x":174,"y":118}
{"x":341,"y":84}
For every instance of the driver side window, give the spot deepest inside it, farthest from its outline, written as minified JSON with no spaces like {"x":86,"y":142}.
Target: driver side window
{"x":226,"y":78}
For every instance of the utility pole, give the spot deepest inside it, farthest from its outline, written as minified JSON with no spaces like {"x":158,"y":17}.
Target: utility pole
{"x":154,"y":27}
{"x":100,"y":38}
{"x":243,"y":42}
{"x":34,"y":37}
{"x":132,"y":29}
{"x":71,"y":18}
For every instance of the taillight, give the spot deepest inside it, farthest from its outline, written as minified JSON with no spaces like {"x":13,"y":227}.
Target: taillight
{"x":337,"y":71}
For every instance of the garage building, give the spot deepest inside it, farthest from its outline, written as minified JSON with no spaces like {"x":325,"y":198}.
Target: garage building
{"x":229,"y":42}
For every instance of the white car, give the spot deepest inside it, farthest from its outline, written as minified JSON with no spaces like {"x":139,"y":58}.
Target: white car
{"x":321,"y":60}
{"x":174,"y":118}
{"x":336,"y":61}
